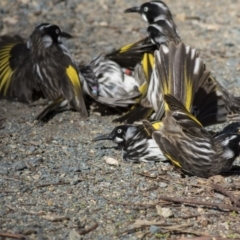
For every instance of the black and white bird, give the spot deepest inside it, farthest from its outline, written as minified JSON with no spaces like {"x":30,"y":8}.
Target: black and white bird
{"x":160,"y":22}
{"x":185,"y":142}
{"x":41,"y":66}
{"x":179,"y":71}
{"x":135,"y":143}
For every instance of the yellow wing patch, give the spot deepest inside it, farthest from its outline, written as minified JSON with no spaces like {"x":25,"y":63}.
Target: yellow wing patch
{"x":5,"y":78}
{"x":5,"y":69}
{"x":147,"y":64}
{"x":189,"y":94}
{"x":194,"y":119}
{"x":143,"y":88}
{"x":176,"y":163}
{"x":74,"y":78}
{"x":157,"y":125}
{"x":126,"y":47}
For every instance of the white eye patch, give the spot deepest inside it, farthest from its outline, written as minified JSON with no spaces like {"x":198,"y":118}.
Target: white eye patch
{"x":144,"y":17}
{"x":118,"y":140}
{"x":47,"y":41}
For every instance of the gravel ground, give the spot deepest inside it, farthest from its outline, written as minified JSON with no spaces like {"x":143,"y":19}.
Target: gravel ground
{"x":56,"y":184}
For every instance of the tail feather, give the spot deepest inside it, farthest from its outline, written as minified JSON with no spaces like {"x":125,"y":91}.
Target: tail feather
{"x":149,"y":127}
{"x":75,"y":95}
{"x":180,"y":72}
{"x":182,"y":116}
{"x":16,"y":76}
{"x":136,"y":113}
{"x":57,"y":106}
{"x":142,"y":73}
{"x":7,"y":44}
{"x":232,"y":103}
{"x":130,"y":55}
{"x":177,"y":72}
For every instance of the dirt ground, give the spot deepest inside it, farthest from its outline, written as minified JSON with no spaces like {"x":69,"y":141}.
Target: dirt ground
{"x":56,"y":184}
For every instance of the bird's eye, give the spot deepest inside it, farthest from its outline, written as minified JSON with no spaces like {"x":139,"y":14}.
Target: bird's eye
{"x":145,"y":9}
{"x":57,"y":31}
{"x":119,"y":130}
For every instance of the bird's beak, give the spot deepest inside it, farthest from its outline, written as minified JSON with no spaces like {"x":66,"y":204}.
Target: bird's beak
{"x":66,"y":35}
{"x":103,"y":137}
{"x":133,"y":9}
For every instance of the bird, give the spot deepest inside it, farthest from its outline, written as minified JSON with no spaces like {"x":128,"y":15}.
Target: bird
{"x":181,"y":136}
{"x":114,"y":87}
{"x":179,"y":71}
{"x":165,"y":35}
{"x":16,"y":70}
{"x":189,"y":146}
{"x":152,"y":11}
{"x":161,"y":32}
{"x":137,"y":59}
{"x":159,"y":18}
{"x":135,"y":143}
{"x":160,"y":21}
{"x":122,"y":77}
{"x":35,"y":67}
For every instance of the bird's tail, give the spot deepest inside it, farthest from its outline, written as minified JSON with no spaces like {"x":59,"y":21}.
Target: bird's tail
{"x":180,"y":72}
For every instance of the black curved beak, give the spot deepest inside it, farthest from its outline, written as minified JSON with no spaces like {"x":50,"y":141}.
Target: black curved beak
{"x":133,"y":9}
{"x":103,"y":137}
{"x":66,"y":35}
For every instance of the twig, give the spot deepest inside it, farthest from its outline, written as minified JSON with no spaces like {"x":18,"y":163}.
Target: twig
{"x":50,"y":184}
{"x":10,"y":207}
{"x":132,"y":230}
{"x":197,"y":185}
{"x":54,"y":218}
{"x":233,"y":186}
{"x":201,"y":238}
{"x":7,"y":191}
{"x":88,"y":230}
{"x":146,"y":174}
{"x":11,"y":179}
{"x":226,"y":193}
{"x":151,"y":189}
{"x":138,"y":205}
{"x":173,"y":228}
{"x":13,"y":235}
{"x":197,"y":215}
{"x":40,"y":213}
{"x":196,"y":202}
{"x":145,"y":235}
{"x":29,"y":165}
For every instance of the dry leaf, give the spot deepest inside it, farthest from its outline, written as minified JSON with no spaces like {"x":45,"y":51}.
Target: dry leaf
{"x":164,"y":212}
{"x":111,"y":161}
{"x":10,"y":20}
{"x":140,"y":223}
{"x":180,"y":17}
{"x":217,"y":179}
{"x":214,"y":27}
{"x":55,"y":218}
{"x":49,"y":202}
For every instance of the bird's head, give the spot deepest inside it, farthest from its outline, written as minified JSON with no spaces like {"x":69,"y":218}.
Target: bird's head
{"x":119,"y":134}
{"x":48,"y":34}
{"x":152,"y":11}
